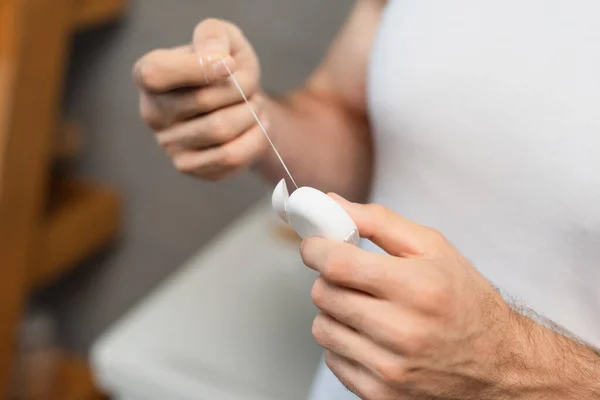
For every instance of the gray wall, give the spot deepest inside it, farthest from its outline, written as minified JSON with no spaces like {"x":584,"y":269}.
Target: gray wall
{"x":168,"y":217}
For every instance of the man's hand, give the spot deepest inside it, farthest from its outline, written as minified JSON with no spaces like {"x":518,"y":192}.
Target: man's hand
{"x":197,"y":113}
{"x":321,"y":128}
{"x":422,"y":323}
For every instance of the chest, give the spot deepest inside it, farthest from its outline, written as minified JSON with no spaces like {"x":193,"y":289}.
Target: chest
{"x":496,"y":100}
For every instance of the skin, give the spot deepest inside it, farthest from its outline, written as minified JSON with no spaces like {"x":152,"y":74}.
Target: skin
{"x":320,"y":129}
{"x":420,"y":322}
{"x":416,"y":323}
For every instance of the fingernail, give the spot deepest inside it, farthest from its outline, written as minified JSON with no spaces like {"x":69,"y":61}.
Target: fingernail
{"x":340,"y":199}
{"x":221,"y":65}
{"x":214,"y":46}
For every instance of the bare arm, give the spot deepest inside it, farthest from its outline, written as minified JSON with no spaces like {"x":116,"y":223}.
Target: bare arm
{"x":322,"y":129}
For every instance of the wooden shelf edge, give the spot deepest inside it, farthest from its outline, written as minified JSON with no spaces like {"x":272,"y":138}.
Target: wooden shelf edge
{"x":85,"y":219}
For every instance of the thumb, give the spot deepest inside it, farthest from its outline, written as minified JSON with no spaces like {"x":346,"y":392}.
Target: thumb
{"x":395,"y":234}
{"x":213,"y":47}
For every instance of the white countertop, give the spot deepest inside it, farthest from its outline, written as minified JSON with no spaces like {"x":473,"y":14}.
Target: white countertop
{"x":234,"y":323}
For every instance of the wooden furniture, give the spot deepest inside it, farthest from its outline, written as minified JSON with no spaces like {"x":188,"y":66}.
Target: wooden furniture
{"x":46,"y":227}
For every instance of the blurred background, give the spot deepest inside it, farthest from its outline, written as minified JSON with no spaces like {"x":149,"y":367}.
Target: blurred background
{"x":69,"y":118}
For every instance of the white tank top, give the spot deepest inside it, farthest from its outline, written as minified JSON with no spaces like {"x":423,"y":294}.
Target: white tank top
{"x":486,"y":119}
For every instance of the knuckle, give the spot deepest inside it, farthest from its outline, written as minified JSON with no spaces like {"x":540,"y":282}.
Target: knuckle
{"x":218,"y":128}
{"x":392,"y":372}
{"x":377,"y":209}
{"x":231,"y":158}
{"x":394,"y":336}
{"x":319,"y":330}
{"x":202,"y":100}
{"x":319,"y":292}
{"x":168,"y":142}
{"x":378,"y":212}
{"x":416,"y":342}
{"x":147,"y":74}
{"x":404,"y":338}
{"x":150,"y":116}
{"x":437,"y":237}
{"x":184,"y":165}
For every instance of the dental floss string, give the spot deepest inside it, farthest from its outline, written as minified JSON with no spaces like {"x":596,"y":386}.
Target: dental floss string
{"x":262,"y":128}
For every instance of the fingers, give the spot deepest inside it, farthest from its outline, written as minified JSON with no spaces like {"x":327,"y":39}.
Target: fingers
{"x":395,"y":234}
{"x":221,"y":161}
{"x":357,"y":379}
{"x":210,"y":130}
{"x":200,"y":63}
{"x":386,"y":323}
{"x":160,"y":111}
{"x":352,"y":308}
{"x":350,"y":266}
{"x":213,"y":36}
{"x":217,"y":37}
{"x":169,"y":69}
{"x":415,"y":283}
{"x":216,"y":42}
{"x":180,"y":83}
{"x":357,"y":349}
{"x":198,"y":112}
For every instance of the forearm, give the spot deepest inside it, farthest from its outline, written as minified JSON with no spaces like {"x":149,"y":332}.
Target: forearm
{"x":321,"y":130}
{"x":324,"y":144}
{"x":552,"y":364}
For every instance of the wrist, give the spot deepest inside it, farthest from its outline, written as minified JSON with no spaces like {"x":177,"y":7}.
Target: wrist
{"x":545,"y":363}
